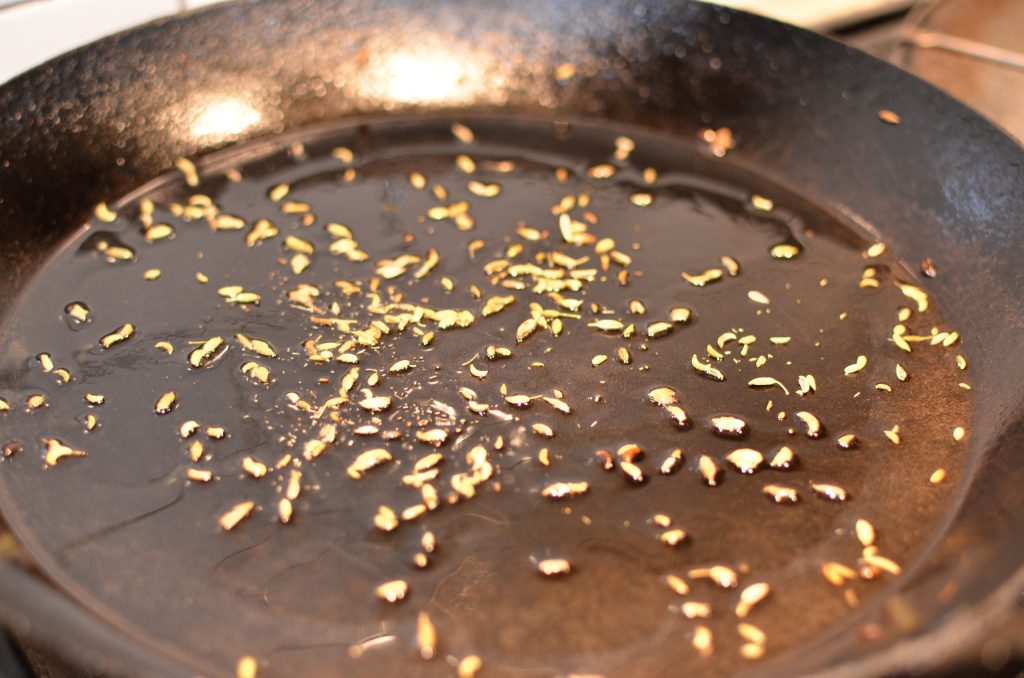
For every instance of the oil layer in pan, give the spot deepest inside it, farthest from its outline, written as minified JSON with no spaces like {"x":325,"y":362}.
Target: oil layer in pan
{"x":414,"y":394}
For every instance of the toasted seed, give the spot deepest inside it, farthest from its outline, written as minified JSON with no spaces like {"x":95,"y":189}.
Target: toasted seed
{"x":663,"y":396}
{"x":758,"y":297}
{"x":188,"y":171}
{"x":865,"y":532}
{"x":79,"y":312}
{"x":701,"y":279}
{"x":857,"y":365}
{"x":745,"y":459}
{"x":117,"y":336}
{"x":607,"y":325}
{"x":732,"y":266}
{"x":561,"y":490}
{"x":629,"y":452}
{"x":385,"y":519}
{"x":959,"y":433}
{"x":554,"y":566}
{"x":256,"y":371}
{"x":813,"y":426}
{"x":558,"y":404}
{"x":706,"y":369}
{"x":641,"y":199}
{"x":246,"y":667}
{"x":882,"y":563}
{"x":751,"y":596}
{"x":483,"y":190}
{"x":165,"y":403}
{"x":680,"y":314}
{"x":837,"y":574}
{"x":434,"y":436}
{"x":678,"y":415}
{"x":916,"y":294}
{"x":847,"y":441}
{"x":728,"y":426}
{"x":198,"y":357}
{"x":375,"y":403}
{"x":671,"y":463}
{"x":525,"y":329}
{"x":785,"y":251}
{"x":784,"y":458}
{"x":677,"y":584}
{"x":426,"y":634}
{"x":285,"y":510}
{"x":392,"y":591}
{"x":57,"y":450}
{"x":543,"y":430}
{"x":158,"y":232}
{"x":672,"y":537}
{"x":253,"y":467}
{"x":632,"y":471}
{"x":104,"y":213}
{"x":751,"y":633}
{"x":469,"y":666}
{"x":367,"y":460}
{"x":703,"y":641}
{"x":199,"y":475}
{"x":255,"y":345}
{"x":693,"y":609}
{"x":937,"y":476}
{"x":462,"y":133}
{"x":887,"y":116}
{"x":519,"y":400}
{"x":767,"y":382}
{"x":658,"y":329}
{"x":95,"y":398}
{"x":751,"y":651}
{"x":708,"y":469}
{"x":236,"y":514}
{"x":343,"y":154}
{"x":829,"y":491}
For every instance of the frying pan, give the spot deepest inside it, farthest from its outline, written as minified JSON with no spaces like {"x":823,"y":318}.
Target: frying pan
{"x":946,"y":184}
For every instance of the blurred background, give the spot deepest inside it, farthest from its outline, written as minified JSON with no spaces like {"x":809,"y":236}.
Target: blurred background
{"x":973,"y":49}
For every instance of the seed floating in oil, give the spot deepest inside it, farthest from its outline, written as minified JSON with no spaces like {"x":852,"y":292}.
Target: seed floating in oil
{"x":865,"y":532}
{"x":393,"y":591}
{"x":703,"y":641}
{"x":246,"y":667}
{"x":829,"y":491}
{"x":236,"y":514}
{"x":469,"y":666}
{"x":728,"y":426}
{"x":56,"y":450}
{"x":426,"y":633}
{"x":746,"y":460}
{"x":550,"y":567}
{"x":751,"y":596}
{"x":887,"y":116}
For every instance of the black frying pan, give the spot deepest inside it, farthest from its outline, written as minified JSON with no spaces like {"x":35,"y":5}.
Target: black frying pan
{"x":101,"y":121}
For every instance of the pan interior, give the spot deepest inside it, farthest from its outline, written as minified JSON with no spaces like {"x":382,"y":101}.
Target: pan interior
{"x":126,"y":531}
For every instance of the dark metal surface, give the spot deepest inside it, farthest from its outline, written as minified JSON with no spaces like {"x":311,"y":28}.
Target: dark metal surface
{"x":945,"y":184}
